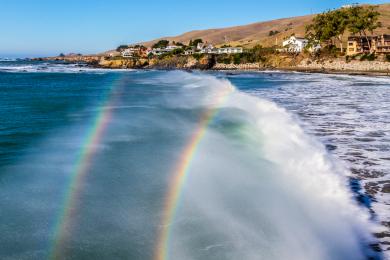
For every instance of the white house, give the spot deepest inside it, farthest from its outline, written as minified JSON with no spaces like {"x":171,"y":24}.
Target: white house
{"x":128,"y":53}
{"x":159,"y":51}
{"x":208,"y":49}
{"x":229,"y":50}
{"x":172,"y":47}
{"x":189,"y":52}
{"x":200,"y":46}
{"x":295,"y":44}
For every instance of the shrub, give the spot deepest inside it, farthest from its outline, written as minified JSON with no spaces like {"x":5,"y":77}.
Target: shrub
{"x":226,"y":61}
{"x":223,"y":58}
{"x":272,"y":33}
{"x":237,"y":58}
{"x":198,"y":56}
{"x":368,"y":57}
{"x":195,"y":42}
{"x":177,"y":51}
{"x":387,"y":57}
{"x":121,"y":48}
{"x":161,"y":44}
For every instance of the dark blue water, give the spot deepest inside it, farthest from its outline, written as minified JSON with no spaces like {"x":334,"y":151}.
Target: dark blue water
{"x":258,"y":178}
{"x":33,"y":105}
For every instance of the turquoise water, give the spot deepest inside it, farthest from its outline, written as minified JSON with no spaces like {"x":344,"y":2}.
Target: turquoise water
{"x":260,"y":186}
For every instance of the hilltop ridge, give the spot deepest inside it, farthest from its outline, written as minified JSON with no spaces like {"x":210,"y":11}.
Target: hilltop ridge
{"x":260,"y":32}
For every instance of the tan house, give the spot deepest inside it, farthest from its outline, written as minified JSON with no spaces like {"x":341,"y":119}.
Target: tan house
{"x":381,"y":44}
{"x":360,"y":44}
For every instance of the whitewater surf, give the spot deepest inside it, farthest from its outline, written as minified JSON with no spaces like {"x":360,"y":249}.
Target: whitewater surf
{"x":173,"y":165}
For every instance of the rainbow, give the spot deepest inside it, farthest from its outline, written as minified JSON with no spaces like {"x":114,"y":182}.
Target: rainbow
{"x":73,"y":192}
{"x":180,"y":176}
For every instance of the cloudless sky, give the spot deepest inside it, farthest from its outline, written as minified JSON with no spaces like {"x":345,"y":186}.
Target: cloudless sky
{"x":48,"y":27}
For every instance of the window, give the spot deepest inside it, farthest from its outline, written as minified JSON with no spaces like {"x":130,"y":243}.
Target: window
{"x":350,"y":43}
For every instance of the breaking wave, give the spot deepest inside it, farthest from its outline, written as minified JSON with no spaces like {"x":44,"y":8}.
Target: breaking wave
{"x":260,"y":188}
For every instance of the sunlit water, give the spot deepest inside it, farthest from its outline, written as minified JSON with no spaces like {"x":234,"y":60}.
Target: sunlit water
{"x":88,"y":158}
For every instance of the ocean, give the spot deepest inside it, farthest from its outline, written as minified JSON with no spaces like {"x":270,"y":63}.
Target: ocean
{"x":137,"y":164}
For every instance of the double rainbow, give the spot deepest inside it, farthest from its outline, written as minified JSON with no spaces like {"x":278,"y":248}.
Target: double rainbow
{"x":73,"y":192}
{"x":94,"y":135}
{"x":180,"y":176}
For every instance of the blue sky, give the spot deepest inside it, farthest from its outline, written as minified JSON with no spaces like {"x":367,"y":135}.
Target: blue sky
{"x":48,"y":27}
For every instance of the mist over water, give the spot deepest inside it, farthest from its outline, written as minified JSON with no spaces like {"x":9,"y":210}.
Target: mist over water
{"x":258,"y":186}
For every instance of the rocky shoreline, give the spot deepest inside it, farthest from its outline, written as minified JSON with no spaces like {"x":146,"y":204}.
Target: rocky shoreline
{"x":374,"y":68}
{"x":307,"y":65}
{"x":354,"y":66}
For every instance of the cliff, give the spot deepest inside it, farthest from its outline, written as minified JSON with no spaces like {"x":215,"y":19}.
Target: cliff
{"x":175,"y":62}
{"x":271,"y":62}
{"x":73,"y":58}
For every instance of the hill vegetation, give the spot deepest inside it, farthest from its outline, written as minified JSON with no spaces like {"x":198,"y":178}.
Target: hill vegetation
{"x":267,"y":33}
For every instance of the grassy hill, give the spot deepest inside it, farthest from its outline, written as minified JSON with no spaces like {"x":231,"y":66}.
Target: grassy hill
{"x":258,"y":33}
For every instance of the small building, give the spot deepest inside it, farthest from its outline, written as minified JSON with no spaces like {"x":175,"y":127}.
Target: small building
{"x":230,"y":50}
{"x":172,"y":47}
{"x":381,"y":44}
{"x":200,"y":46}
{"x":209,"y":49}
{"x":361,"y":44}
{"x":128,"y":53}
{"x":133,"y":52}
{"x":295,"y":44}
{"x":189,"y":52}
{"x":358,"y":45}
{"x":160,"y":51}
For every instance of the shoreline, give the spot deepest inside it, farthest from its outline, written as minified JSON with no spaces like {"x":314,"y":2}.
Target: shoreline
{"x":208,"y":63}
{"x":371,"y":73}
{"x":233,"y":68}
{"x":314,"y":71}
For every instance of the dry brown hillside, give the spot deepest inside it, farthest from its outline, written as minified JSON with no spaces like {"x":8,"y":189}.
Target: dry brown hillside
{"x":258,"y":33}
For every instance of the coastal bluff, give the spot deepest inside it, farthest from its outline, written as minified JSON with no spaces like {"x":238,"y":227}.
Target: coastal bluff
{"x":209,"y":62}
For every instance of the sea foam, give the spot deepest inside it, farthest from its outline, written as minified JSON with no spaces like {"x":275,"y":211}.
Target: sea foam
{"x":260,"y":187}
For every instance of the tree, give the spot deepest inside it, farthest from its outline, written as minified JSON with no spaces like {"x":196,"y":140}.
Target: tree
{"x":141,"y":47}
{"x":329,"y":26}
{"x":195,"y":42}
{"x":272,"y":33}
{"x":319,"y":28}
{"x":177,"y":51}
{"x":363,"y":20}
{"x":180,"y":44}
{"x":161,"y":44}
{"x":339,"y":20}
{"x":121,"y":48}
